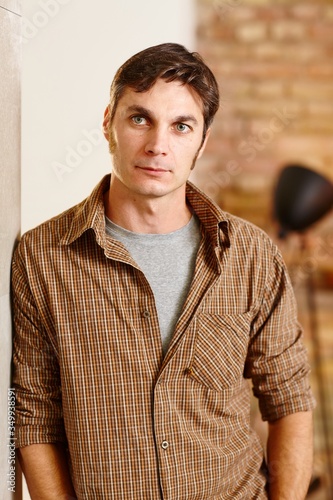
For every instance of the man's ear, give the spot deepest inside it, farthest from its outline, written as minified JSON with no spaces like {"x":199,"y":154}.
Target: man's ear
{"x":201,"y":150}
{"x":106,"y":123}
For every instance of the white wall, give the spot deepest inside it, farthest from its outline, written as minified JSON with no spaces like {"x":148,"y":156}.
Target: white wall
{"x":72,"y":49}
{"x":10,"y":77}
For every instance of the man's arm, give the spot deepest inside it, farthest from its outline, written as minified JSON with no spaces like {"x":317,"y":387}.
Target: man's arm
{"x":46,"y":471}
{"x":290,"y":456}
{"x":36,"y":378}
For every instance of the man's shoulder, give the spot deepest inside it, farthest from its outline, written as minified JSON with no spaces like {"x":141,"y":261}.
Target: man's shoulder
{"x":56,"y":226}
{"x":240,"y":226}
{"x":46,"y":238}
{"x":237,"y":227}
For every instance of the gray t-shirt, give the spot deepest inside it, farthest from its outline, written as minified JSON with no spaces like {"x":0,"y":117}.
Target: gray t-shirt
{"x":168,"y":262}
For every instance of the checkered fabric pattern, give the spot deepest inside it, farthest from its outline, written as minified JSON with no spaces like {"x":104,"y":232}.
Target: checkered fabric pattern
{"x":89,"y":368}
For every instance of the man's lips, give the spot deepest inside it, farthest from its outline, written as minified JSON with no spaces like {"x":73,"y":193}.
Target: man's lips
{"x":153,"y":169}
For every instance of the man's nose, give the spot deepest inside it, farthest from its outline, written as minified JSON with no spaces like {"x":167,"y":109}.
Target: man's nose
{"x":157,"y":142}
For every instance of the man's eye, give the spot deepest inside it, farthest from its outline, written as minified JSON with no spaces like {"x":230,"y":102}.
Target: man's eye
{"x":139,"y":120}
{"x":182,"y":127}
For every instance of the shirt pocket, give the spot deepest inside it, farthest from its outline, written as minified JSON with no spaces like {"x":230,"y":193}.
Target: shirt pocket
{"x":220,"y":350}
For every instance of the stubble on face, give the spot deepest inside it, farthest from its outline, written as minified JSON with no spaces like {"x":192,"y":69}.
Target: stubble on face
{"x":112,"y":141}
{"x":167,"y":105}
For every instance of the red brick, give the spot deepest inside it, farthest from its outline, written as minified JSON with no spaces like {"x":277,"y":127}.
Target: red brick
{"x":270,"y":89}
{"x":303,"y":52}
{"x":216,"y":51}
{"x":261,"y":3}
{"x":320,"y":108}
{"x":322,"y":31}
{"x":307,"y":11}
{"x":272,"y":12}
{"x":231,"y":10}
{"x":242,"y":13}
{"x":322,"y":70}
{"x":251,"y":32}
{"x":306,"y":146}
{"x":328,"y":12}
{"x":266,"y":57}
{"x":314,"y":125}
{"x":267,"y":50}
{"x":288,"y":30}
{"x":317,"y":90}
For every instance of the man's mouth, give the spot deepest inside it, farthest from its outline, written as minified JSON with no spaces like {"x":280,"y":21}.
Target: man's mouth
{"x":152,"y":169}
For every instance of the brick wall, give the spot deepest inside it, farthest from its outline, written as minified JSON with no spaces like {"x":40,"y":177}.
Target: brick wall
{"x":274,"y":65}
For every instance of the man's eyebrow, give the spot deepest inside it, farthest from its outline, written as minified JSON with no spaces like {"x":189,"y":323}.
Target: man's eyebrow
{"x":186,"y":118}
{"x":146,"y":112}
{"x":139,"y":109}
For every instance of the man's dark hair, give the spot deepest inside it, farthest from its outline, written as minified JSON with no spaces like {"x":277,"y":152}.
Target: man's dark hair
{"x":171,"y":62}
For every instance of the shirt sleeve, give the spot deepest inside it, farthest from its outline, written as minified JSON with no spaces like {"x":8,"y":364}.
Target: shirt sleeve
{"x":35,"y":367}
{"x":277,"y":358}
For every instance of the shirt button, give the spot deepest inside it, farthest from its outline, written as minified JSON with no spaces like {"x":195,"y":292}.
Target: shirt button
{"x":165,"y":445}
{"x":146,"y":314}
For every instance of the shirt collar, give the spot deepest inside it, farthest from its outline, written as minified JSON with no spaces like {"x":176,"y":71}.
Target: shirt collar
{"x":90,"y":214}
{"x":214,"y":220}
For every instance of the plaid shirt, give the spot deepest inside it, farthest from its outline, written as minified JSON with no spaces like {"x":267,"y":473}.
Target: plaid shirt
{"x":89,"y":368}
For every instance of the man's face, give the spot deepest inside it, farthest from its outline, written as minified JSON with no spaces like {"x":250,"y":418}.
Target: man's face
{"x":155,"y":139}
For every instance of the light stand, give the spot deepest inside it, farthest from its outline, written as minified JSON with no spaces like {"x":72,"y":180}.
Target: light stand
{"x":301,"y":198}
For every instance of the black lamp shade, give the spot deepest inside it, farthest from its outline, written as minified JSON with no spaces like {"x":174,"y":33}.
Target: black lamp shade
{"x":301,"y":198}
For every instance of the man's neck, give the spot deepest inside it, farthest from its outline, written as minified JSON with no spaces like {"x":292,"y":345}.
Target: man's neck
{"x":147,"y":215}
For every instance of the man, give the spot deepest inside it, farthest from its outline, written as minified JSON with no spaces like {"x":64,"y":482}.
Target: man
{"x":141,"y":313}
